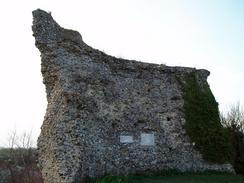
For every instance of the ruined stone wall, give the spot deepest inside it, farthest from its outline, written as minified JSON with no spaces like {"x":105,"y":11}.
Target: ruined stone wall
{"x":107,"y":115}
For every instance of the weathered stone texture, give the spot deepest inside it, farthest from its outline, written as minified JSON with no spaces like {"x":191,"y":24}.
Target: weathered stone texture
{"x":107,"y":115}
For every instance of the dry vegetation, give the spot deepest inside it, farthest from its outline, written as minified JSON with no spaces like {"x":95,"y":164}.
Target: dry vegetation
{"x":233,"y":120}
{"x":18,"y":161}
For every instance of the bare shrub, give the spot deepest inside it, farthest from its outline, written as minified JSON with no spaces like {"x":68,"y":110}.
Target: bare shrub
{"x":233,"y":120}
{"x":19,"y":159}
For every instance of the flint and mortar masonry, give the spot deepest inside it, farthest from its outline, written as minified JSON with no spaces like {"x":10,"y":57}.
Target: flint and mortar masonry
{"x":107,"y":115}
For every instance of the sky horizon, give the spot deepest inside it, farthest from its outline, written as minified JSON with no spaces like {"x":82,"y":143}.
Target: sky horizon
{"x":205,"y":34}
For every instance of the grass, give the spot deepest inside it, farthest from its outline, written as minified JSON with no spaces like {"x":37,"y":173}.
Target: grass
{"x":177,"y":178}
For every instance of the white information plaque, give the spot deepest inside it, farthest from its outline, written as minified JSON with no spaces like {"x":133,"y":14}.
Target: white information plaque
{"x":126,"y":139}
{"x":147,"y":139}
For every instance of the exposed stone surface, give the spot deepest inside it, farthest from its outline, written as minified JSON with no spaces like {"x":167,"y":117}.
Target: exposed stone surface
{"x":107,"y":115}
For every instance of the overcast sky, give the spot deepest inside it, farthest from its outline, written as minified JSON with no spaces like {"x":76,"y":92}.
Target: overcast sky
{"x":205,"y":34}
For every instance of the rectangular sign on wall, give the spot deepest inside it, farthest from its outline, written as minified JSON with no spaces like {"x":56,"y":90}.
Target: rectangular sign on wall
{"x":147,"y":139}
{"x":126,"y":139}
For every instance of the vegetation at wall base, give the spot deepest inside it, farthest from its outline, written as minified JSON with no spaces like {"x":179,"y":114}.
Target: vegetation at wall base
{"x":233,"y":121}
{"x":203,"y":122}
{"x":208,"y":177}
{"x":237,"y":139}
